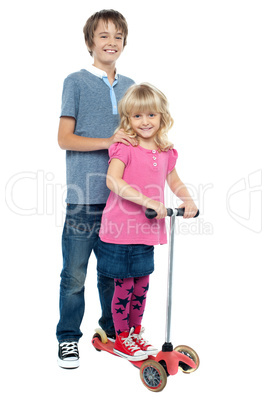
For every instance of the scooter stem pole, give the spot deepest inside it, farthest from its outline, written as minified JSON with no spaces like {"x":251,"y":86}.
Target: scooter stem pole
{"x":169,"y":279}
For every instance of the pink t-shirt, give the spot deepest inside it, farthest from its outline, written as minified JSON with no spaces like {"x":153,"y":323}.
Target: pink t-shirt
{"x":123,"y":221}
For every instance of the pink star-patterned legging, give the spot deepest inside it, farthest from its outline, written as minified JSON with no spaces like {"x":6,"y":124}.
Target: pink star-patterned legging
{"x":128,"y":303}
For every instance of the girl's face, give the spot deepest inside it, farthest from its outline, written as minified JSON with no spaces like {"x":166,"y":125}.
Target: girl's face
{"x":145,"y":124}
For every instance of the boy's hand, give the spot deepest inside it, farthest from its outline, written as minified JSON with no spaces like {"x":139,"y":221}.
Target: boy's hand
{"x":166,"y":149}
{"x":121,"y":136}
{"x":190,"y":209}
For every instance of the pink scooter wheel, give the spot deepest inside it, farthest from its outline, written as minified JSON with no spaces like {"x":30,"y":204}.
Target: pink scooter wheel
{"x":186,"y":350}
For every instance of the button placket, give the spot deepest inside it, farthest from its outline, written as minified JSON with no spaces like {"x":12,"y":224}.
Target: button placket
{"x":154,"y":158}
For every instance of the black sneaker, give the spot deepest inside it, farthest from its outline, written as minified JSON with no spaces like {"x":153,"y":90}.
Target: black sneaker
{"x":111,"y":337}
{"x":68,"y":355}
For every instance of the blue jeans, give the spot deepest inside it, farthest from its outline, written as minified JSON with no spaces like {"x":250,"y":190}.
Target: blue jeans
{"x":79,"y":239}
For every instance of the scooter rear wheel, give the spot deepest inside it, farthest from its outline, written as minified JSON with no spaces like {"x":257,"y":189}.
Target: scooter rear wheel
{"x":102,"y":335}
{"x":153,"y":375}
{"x":186,"y":350}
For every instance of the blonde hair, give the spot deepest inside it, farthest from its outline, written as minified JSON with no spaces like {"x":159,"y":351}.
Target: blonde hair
{"x":146,"y":98}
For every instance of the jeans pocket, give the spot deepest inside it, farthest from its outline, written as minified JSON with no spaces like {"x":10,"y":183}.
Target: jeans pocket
{"x":81,"y":221}
{"x":81,"y":226}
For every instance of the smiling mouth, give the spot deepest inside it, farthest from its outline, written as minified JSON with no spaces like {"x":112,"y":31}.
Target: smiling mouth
{"x":111,"y":51}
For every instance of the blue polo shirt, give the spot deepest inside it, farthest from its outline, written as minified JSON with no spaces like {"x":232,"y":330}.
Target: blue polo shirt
{"x":92,"y":101}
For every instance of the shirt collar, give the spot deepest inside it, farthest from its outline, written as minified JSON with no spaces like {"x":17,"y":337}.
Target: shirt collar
{"x":99,"y":73}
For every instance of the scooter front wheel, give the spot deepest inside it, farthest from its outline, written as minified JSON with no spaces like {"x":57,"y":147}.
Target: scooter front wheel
{"x":153,"y":375}
{"x":186,"y":350}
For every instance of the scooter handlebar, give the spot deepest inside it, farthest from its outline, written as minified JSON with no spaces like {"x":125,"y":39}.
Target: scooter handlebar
{"x":151,"y":213}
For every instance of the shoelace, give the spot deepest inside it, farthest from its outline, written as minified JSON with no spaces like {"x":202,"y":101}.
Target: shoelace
{"x":69,"y":348}
{"x":140,"y":338}
{"x":129,"y":342}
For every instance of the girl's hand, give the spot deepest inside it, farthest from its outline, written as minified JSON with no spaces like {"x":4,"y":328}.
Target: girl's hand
{"x":159,"y":208}
{"x":190,"y":209}
{"x":121,"y":136}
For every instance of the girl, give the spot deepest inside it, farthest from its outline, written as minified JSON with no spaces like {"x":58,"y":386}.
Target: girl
{"x":136,"y":178}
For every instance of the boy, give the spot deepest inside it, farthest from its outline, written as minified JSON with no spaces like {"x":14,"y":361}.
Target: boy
{"x":88,"y":119}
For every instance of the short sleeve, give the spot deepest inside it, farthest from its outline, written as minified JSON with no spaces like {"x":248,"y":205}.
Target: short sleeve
{"x":173,"y":155}
{"x":70,"y":98}
{"x":119,"y":151}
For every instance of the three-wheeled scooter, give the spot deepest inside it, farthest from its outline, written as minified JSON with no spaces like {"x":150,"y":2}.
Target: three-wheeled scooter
{"x":155,"y":370}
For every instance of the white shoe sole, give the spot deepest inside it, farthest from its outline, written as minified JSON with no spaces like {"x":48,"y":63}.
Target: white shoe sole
{"x":68,"y":364}
{"x":111,"y":339}
{"x":152,"y":352}
{"x":131,"y":358}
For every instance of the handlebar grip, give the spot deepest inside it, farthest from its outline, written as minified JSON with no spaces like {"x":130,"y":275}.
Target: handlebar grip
{"x":151,"y":213}
{"x":180,"y":212}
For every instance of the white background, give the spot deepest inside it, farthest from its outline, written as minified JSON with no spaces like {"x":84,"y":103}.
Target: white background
{"x":209,"y":58}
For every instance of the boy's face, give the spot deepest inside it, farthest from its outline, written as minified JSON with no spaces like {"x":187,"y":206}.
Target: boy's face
{"x":108,"y":44}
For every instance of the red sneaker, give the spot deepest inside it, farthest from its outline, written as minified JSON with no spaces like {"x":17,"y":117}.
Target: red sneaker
{"x":126,"y":347}
{"x":142,"y":343}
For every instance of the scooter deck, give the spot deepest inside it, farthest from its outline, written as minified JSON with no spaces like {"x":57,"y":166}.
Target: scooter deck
{"x":172,"y":359}
{"x":108,"y":347}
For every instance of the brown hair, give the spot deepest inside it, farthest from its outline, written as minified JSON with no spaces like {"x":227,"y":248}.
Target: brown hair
{"x":106,"y":15}
{"x":146,"y":98}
